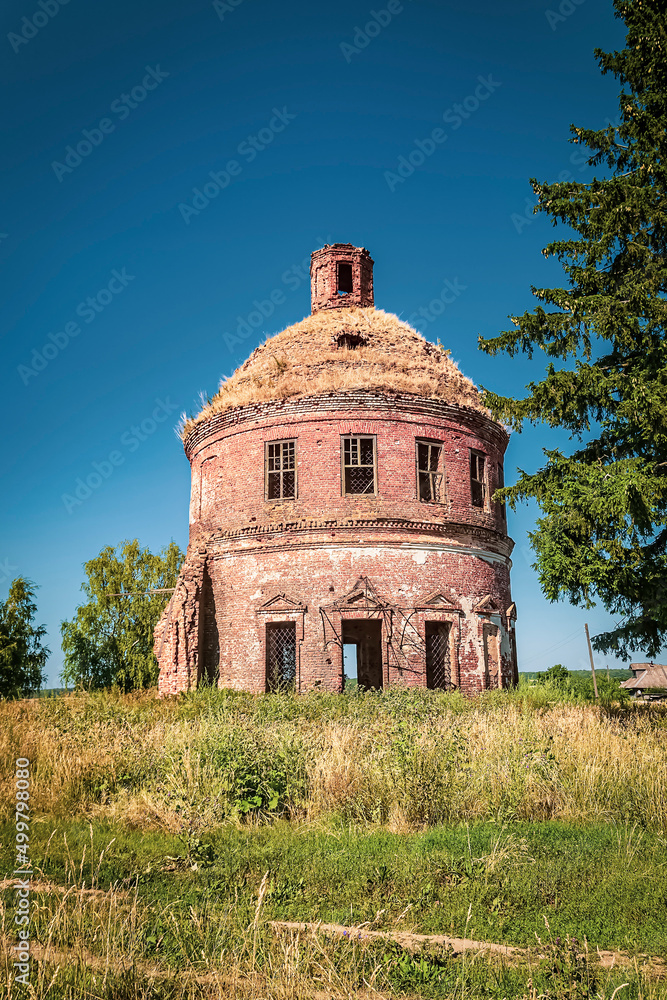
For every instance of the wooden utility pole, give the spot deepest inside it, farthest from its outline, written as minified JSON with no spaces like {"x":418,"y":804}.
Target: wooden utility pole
{"x":590,"y":653}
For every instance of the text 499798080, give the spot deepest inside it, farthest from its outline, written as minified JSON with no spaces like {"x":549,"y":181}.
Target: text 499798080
{"x":23,"y":868}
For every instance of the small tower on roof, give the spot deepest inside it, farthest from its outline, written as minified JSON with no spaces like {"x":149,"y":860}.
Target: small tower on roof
{"x":341,"y":276}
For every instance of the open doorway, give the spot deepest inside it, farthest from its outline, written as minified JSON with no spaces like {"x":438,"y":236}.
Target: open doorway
{"x":349,"y":665}
{"x":366,"y":635}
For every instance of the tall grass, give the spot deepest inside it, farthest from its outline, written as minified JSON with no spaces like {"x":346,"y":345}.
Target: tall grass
{"x":407,"y":759}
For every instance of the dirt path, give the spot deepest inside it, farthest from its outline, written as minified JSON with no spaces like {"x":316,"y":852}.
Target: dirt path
{"x":407,"y":940}
{"x":654,"y":967}
{"x":414,"y":942}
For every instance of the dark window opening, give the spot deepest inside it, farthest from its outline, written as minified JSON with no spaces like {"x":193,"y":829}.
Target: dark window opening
{"x":280,"y":463}
{"x":359,"y":465}
{"x":281,"y":656}
{"x":350,"y":340}
{"x":477,"y":479}
{"x":438,"y":670}
{"x":429,"y":472}
{"x":366,"y":635}
{"x":209,"y":639}
{"x":344,"y":279}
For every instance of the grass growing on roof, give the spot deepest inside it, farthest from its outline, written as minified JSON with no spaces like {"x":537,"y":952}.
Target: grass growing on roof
{"x":306,"y":360}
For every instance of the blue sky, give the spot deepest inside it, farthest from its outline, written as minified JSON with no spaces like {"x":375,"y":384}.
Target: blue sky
{"x":120,"y":300}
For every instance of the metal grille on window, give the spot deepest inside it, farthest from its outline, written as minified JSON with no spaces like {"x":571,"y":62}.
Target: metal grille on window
{"x":477,"y":481}
{"x":428,"y":466}
{"x":438,"y":672}
{"x":281,"y":470}
{"x":281,"y":656}
{"x":359,"y":464}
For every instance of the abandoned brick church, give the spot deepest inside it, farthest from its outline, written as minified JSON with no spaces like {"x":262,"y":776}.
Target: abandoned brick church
{"x":342,"y":483}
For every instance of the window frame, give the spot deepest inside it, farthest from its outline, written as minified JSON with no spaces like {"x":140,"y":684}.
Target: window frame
{"x":484,"y":482}
{"x":343,"y":466}
{"x":281,"y":498}
{"x":431,"y":443}
{"x":431,"y":628}
{"x":274,"y":685}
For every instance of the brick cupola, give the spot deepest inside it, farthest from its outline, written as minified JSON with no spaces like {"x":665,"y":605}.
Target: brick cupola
{"x":341,"y":276}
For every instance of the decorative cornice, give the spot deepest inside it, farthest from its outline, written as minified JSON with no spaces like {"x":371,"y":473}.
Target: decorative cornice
{"x":331,"y":402}
{"x":487,"y":536}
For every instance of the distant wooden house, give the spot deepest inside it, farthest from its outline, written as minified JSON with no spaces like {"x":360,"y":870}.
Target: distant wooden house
{"x":647,"y":677}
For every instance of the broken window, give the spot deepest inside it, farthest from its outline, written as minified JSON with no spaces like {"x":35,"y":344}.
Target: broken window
{"x":358,"y":465}
{"x":281,"y":656}
{"x":280,"y":466}
{"x":344,"y":283}
{"x":438,"y":671}
{"x":429,"y":471}
{"x":477,"y":479}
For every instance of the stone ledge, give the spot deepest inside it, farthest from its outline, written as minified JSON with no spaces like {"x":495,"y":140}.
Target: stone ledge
{"x":332,"y":402}
{"x":404,"y":524}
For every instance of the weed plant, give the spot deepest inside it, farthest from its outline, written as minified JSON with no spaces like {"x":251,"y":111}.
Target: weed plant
{"x":403,"y":758}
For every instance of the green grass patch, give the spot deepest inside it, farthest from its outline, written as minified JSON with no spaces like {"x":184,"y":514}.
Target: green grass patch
{"x":606,"y":884}
{"x":170,"y":833}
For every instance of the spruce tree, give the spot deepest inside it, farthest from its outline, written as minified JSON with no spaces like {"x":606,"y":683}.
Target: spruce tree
{"x":602,"y":533}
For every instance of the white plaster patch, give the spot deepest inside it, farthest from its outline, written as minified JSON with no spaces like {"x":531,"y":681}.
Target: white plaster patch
{"x":466,"y":605}
{"x":505,"y":645}
{"x":419,"y":557}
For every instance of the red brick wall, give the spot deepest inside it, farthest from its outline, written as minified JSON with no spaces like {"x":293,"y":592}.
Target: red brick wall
{"x":314,"y":548}
{"x":317,"y":570}
{"x":228,"y":462}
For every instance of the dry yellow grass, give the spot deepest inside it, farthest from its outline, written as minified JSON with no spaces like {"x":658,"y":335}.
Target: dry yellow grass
{"x":401,"y":759}
{"x":306,"y":359}
{"x":136,"y":760}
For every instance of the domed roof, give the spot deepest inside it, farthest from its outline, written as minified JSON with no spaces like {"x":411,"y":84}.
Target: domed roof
{"x":343,"y":350}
